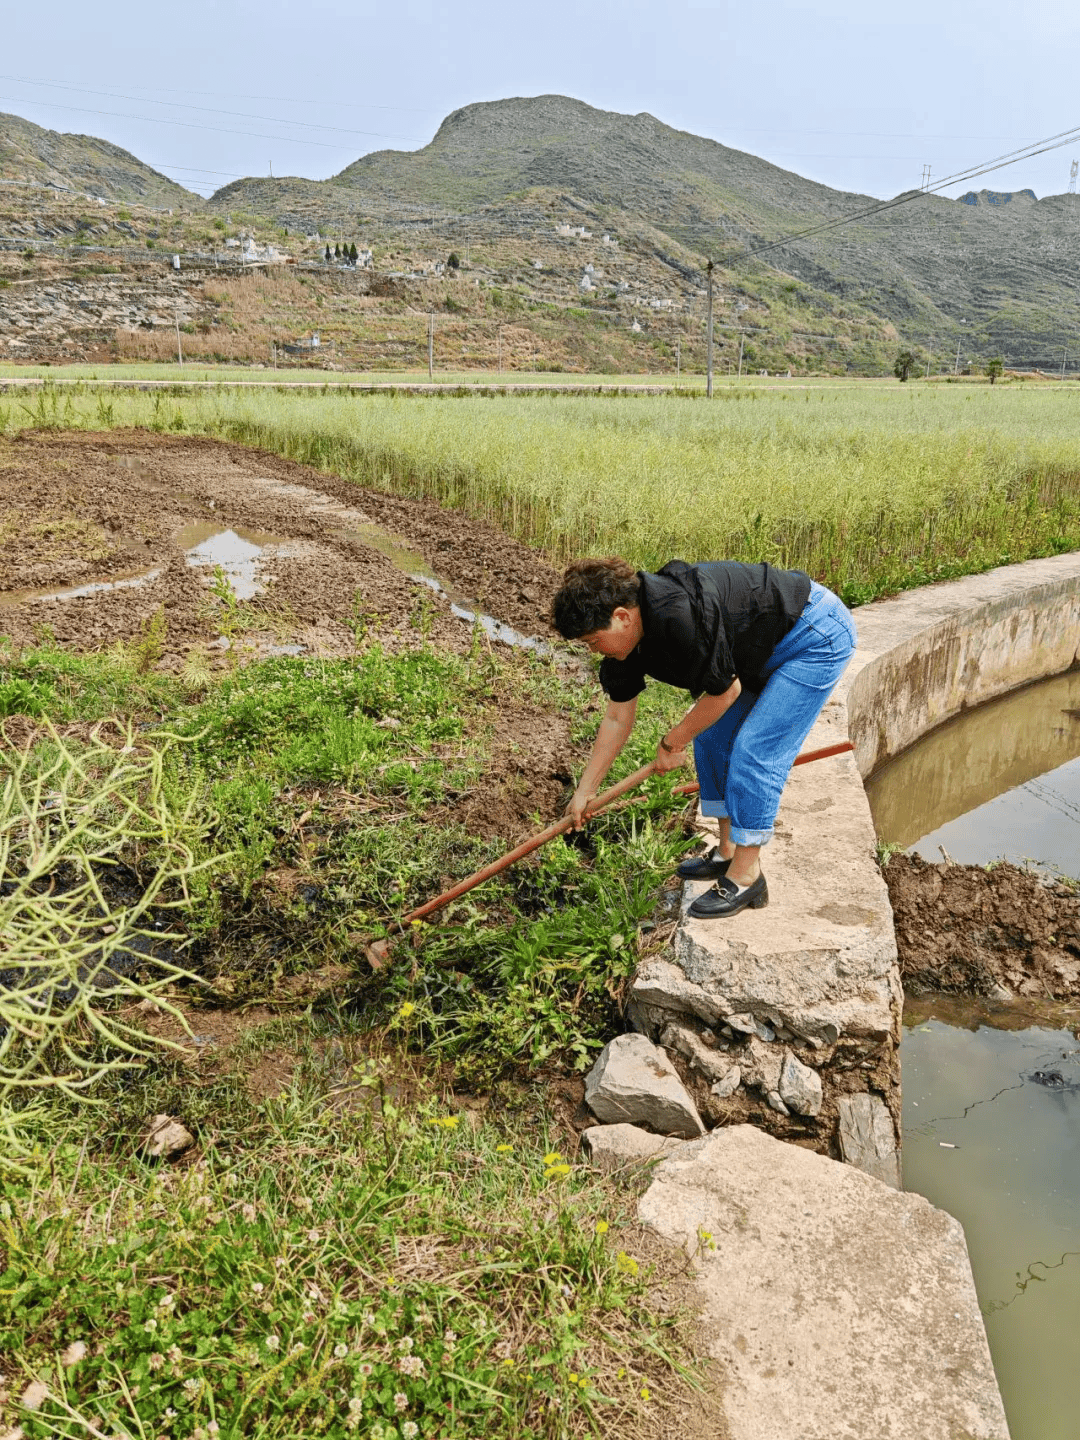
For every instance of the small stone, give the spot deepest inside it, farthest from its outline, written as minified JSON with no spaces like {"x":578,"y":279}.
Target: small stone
{"x":764,"y":1032}
{"x":713,"y":1064}
{"x":634,"y":1081}
{"x":746,"y":1023}
{"x":800,"y":1087}
{"x":728,"y":1085}
{"x":1000,"y":992}
{"x":164,"y":1137}
{"x":760,"y":1065}
{"x":613,"y":1147}
{"x":388,"y":723}
{"x":773,"y":1097}
{"x":867,"y":1138}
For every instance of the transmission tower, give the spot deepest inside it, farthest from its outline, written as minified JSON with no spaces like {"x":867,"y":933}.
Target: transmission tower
{"x":1073,"y":168}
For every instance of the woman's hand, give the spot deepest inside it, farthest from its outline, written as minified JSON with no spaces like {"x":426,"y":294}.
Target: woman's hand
{"x":581,"y":801}
{"x":668,"y":759}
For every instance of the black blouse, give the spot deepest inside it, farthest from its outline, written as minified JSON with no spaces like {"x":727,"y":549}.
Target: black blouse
{"x":706,"y":624}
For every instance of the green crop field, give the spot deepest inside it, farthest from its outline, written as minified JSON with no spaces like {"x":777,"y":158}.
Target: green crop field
{"x":871,"y":488}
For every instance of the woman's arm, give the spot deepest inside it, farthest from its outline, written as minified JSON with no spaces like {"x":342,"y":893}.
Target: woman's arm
{"x":704,"y":713}
{"x":612,"y":735}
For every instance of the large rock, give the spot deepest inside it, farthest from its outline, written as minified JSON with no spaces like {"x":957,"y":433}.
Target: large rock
{"x":867,"y":1137}
{"x":614,"y":1147}
{"x":840,"y":1308}
{"x":634,"y":1081}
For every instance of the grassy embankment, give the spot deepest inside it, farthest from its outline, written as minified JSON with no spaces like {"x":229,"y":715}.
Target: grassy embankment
{"x":354,"y":1251}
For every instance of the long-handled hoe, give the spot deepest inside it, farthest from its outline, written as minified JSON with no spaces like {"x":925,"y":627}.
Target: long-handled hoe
{"x":377,"y":953}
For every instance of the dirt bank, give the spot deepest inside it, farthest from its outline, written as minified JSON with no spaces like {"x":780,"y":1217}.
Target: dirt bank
{"x":964,"y":929}
{"x":82,"y":508}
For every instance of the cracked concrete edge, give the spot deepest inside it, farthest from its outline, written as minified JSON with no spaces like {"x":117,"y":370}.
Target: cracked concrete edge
{"x":926,"y":655}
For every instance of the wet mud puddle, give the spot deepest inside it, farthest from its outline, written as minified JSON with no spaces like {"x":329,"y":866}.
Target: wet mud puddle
{"x":238,"y":554}
{"x":992,"y":1091}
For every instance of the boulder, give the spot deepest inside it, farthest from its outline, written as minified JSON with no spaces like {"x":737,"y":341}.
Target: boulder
{"x":800,"y":1087}
{"x":837,"y":1307}
{"x":634,"y":1081}
{"x":614,"y":1147}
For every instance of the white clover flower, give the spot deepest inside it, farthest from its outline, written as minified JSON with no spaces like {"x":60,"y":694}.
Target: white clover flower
{"x":405,"y":1344}
{"x":273,"y":1342}
{"x":449,"y":1337}
{"x":411,"y":1365}
{"x":175,"y":1354}
{"x":257,"y":1287}
{"x":410,"y":1430}
{"x":340,"y":1351}
{"x":248,"y":1212}
{"x":156,"y":1361}
{"x":150,"y":1326}
{"x":401,"y":1402}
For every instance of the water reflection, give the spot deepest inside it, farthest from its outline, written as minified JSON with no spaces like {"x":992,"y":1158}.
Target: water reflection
{"x":989,"y":1143}
{"x":1002,"y":780}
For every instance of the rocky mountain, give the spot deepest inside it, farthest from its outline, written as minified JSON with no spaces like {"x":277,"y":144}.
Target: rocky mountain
{"x":937,"y":269}
{"x":84,"y":164}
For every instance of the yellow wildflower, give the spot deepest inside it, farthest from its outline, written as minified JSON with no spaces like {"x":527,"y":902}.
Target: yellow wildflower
{"x":602,"y":1227}
{"x":552,"y":1157}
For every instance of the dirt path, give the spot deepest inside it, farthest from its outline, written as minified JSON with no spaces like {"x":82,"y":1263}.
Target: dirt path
{"x":81,"y":509}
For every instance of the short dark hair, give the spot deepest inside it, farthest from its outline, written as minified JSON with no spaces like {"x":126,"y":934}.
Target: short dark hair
{"x":590,"y":593}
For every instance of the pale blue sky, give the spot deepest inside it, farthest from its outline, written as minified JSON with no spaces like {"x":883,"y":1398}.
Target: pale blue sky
{"x":856,"y":95}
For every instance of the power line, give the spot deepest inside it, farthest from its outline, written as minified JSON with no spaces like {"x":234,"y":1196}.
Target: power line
{"x":277,"y":99}
{"x":205,"y":109}
{"x":1026,"y":152}
{"x":157,"y":120}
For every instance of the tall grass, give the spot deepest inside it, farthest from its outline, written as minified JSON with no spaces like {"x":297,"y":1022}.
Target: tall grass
{"x":870,"y":490}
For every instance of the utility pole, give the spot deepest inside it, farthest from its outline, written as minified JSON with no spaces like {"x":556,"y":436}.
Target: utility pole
{"x":929,"y":352}
{"x":708,"y":336}
{"x":1063,"y":355}
{"x":500,"y":349}
{"x":956,"y":371}
{"x":924,"y":184}
{"x":179,"y":352}
{"x":431,"y":345}
{"x":678,"y":360}
{"x":742,"y":337}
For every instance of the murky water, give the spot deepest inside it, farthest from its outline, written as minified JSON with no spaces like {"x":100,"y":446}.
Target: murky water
{"x":1002,"y":781}
{"x":238,"y":553}
{"x":992,"y":1091}
{"x":989,"y":1143}
{"x":76,"y":592}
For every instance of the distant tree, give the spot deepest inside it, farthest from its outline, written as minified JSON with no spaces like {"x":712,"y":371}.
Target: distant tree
{"x":453,"y":261}
{"x":995,"y":367}
{"x":905,"y":363}
{"x":328,"y":254}
{"x":354,"y":254}
{"x":337,"y":252}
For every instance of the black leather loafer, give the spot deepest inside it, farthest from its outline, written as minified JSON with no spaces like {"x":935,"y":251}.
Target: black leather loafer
{"x":704,"y":867}
{"x":725,"y":898}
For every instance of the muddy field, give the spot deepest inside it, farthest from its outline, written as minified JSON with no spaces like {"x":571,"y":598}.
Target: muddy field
{"x":81,"y":509}
{"x":132,"y":515}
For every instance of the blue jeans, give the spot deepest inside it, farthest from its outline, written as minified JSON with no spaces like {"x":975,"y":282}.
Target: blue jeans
{"x":744,"y":759}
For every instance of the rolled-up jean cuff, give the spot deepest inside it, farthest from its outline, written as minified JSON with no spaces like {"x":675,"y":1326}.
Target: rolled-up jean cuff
{"x":750,"y":837}
{"x":715,"y":809}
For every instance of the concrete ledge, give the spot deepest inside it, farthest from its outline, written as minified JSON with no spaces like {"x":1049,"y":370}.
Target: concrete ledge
{"x":841,"y":1309}
{"x":926,"y":655}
